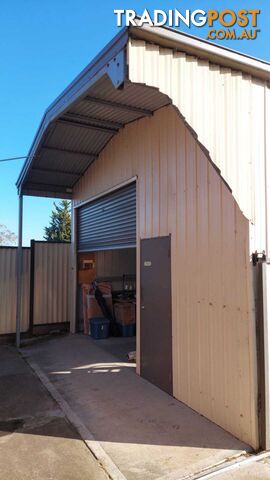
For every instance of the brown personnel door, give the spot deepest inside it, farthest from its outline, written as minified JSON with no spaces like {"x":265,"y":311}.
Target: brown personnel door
{"x":156,"y":321}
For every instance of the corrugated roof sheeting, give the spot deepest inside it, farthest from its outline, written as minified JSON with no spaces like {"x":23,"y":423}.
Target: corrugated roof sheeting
{"x":104,"y":111}
{"x":52,"y":178}
{"x":226,"y":109}
{"x":132,"y":96}
{"x":78,"y":138}
{"x":141,"y":96}
{"x":74,"y":140}
{"x":62,"y":160}
{"x":137,"y":96}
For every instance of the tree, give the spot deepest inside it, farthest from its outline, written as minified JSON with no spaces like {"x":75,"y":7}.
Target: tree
{"x":6,"y":236}
{"x":59,"y":229}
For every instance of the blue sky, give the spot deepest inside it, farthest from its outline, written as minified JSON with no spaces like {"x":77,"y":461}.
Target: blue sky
{"x":43,"y":45}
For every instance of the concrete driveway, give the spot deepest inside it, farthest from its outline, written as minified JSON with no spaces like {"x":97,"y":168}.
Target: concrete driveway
{"x":36,"y":440}
{"x":255,"y":471}
{"x":146,"y":433}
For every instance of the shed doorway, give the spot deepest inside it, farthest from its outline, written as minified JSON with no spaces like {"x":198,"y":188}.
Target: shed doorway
{"x":106,"y":265}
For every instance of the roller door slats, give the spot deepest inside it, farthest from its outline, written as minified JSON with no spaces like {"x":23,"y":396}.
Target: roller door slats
{"x":112,"y":204}
{"x":109,"y":204}
{"x":109,"y":222}
{"x":96,"y":248}
{"x":106,"y":208}
{"x":109,"y":241}
{"x":100,"y":219}
{"x":101,"y":228}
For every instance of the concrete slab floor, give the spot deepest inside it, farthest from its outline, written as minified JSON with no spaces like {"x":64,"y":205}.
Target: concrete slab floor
{"x":148,"y":434}
{"x":36,"y":441}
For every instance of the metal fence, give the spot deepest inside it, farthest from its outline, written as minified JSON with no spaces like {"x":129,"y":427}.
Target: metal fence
{"x":45,"y":287}
{"x":8,"y":286}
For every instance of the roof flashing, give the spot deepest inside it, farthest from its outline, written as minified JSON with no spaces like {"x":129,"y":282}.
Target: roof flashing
{"x":174,"y":39}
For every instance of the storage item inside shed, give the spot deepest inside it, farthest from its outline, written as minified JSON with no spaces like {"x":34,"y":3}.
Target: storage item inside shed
{"x":114,"y":273}
{"x":93,"y":308}
{"x":100,"y":328}
{"x":125,"y":312}
{"x":132,"y":356}
{"x":86,"y":268}
{"x":125,"y":317}
{"x":127,"y":330}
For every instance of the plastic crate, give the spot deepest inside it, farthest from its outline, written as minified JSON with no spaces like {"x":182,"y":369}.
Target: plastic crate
{"x":100,"y":327}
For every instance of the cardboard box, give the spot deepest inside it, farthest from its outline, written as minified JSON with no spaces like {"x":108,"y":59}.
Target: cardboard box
{"x":91,"y":307}
{"x":125,"y":313}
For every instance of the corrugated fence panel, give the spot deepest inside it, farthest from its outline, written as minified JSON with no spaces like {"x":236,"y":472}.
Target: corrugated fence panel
{"x":52,"y":283}
{"x":226,"y":109}
{"x":179,"y":192}
{"x":8,"y":288}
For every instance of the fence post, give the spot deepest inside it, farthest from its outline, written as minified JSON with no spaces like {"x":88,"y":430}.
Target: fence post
{"x":19,"y":274}
{"x":32,"y":286}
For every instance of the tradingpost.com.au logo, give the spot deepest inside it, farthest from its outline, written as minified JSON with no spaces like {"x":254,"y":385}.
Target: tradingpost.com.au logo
{"x":225,"y":24}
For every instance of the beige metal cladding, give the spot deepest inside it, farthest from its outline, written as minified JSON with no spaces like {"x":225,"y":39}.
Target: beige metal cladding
{"x":179,"y":192}
{"x":52,"y":283}
{"x":115,"y":263}
{"x":228,"y":110}
{"x":8,"y":289}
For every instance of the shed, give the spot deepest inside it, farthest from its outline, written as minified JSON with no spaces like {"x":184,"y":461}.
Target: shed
{"x":161,"y":144}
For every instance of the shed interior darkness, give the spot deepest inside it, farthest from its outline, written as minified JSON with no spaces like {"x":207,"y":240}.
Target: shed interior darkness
{"x":117,"y":269}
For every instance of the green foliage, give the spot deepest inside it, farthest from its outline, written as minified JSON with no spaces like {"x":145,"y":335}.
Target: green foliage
{"x":59,"y":229}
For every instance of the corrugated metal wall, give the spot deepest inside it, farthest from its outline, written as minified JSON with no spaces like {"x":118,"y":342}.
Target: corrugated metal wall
{"x":8,"y":289}
{"x":228,"y":110}
{"x":51,"y":286}
{"x":116,"y":262}
{"x":180,"y":192}
{"x":113,"y":264}
{"x":52,"y":283}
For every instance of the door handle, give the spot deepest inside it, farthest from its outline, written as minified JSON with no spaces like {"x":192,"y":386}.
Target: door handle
{"x":142,"y":307}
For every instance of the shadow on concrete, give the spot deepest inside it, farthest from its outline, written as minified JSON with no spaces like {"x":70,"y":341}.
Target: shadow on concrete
{"x":36,"y":440}
{"x":117,"y":405}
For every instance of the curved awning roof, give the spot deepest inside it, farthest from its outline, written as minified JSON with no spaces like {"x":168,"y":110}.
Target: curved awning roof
{"x":81,"y":121}
{"x":99,"y":102}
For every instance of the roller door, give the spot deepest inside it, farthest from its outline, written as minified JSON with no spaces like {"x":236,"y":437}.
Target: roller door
{"x":108,"y":222}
